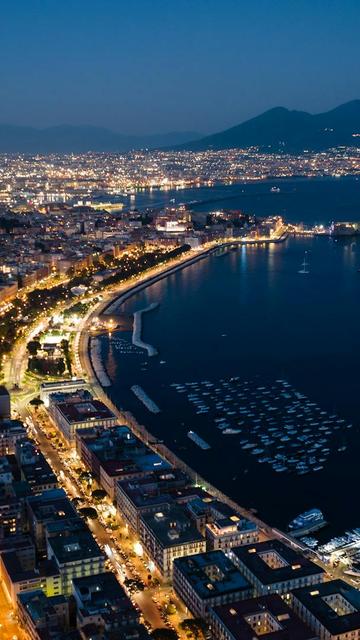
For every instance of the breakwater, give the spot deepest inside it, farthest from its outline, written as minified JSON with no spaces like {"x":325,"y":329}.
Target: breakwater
{"x":137,"y":330}
{"x":144,"y":398}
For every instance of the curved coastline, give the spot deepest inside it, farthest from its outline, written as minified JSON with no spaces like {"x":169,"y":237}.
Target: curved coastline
{"x":140,"y":430}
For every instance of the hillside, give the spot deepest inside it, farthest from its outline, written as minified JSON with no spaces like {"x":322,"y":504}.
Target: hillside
{"x":292,"y":131}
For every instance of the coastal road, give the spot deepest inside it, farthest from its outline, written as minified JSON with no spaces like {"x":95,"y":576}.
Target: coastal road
{"x":117,"y":541}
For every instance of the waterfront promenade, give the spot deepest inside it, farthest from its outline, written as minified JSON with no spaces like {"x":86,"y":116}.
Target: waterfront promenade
{"x":83,"y":357}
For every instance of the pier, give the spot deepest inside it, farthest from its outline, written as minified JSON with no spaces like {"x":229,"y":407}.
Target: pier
{"x":144,"y":398}
{"x":137,"y":330}
{"x":199,"y":441}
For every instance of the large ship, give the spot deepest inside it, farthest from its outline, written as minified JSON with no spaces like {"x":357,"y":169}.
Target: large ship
{"x":308,"y":521}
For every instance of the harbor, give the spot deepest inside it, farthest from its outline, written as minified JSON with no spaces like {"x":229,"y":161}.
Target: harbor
{"x":276,"y":424}
{"x":289,"y":342}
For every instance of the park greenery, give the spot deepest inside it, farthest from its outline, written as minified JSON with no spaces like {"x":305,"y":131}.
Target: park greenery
{"x":24,"y":310}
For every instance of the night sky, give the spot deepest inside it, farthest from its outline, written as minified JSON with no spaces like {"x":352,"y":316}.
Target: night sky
{"x":148,"y":66}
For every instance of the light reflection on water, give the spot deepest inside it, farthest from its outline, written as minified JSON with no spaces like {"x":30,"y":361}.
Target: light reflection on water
{"x":250,"y":313}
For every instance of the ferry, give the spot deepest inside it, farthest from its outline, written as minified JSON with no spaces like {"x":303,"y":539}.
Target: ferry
{"x":308,"y":521}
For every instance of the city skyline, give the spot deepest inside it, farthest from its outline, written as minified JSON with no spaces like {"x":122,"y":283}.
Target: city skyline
{"x":163,"y":68}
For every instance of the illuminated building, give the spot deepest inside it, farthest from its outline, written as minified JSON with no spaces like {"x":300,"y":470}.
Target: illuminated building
{"x":45,"y":508}
{"x":76,"y":554}
{"x":331,"y":609}
{"x":168,"y":535}
{"x":208,"y":579}
{"x":75,"y":412}
{"x":18,"y":578}
{"x":42,"y":616}
{"x":101,"y":601}
{"x":265,"y":617}
{"x":273,"y":567}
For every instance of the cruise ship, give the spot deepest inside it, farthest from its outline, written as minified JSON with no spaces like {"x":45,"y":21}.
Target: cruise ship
{"x":308,"y":521}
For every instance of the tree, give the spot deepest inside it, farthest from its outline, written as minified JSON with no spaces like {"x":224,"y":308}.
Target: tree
{"x":98,"y":495}
{"x":36,"y":402}
{"x":33,"y":347}
{"x":164,"y":634}
{"x":196,"y":626}
{"x":88,"y":512}
{"x":85,"y":476}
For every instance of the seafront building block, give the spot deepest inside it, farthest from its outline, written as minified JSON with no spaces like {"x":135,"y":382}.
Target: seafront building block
{"x":265,"y":617}
{"x":72,"y":412}
{"x":273,"y":567}
{"x":207,"y":579}
{"x":152,"y":492}
{"x":228,"y":529}
{"x":61,"y":386}
{"x":331,"y":609}
{"x":115,"y":454}
{"x":168,"y":535}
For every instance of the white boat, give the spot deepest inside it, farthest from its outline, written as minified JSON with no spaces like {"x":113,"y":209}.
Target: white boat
{"x":229,"y":432}
{"x":307,"y":521}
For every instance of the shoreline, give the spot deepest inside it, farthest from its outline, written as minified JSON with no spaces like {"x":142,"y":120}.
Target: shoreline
{"x":141,"y":431}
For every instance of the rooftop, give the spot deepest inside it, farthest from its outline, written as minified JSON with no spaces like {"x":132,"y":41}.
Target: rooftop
{"x":277,"y":620}
{"x":335,"y":604}
{"x":121,"y":453}
{"x":38,"y":473}
{"x":74,"y":547}
{"x":85,"y":411}
{"x":51,"y":505}
{"x":153,"y":488}
{"x":17,"y":573}
{"x":211,"y":574}
{"x":172,"y":527}
{"x":272,"y":562}
{"x":100,"y":593}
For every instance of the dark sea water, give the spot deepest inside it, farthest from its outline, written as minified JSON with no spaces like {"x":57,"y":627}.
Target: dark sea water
{"x":317,"y":200}
{"x":249,"y":313}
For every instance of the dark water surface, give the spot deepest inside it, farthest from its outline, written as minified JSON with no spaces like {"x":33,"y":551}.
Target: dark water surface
{"x":317,"y":200}
{"x":251,"y":314}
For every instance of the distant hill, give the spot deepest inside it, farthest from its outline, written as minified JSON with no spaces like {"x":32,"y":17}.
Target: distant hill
{"x":79,"y":139}
{"x":292,"y":131}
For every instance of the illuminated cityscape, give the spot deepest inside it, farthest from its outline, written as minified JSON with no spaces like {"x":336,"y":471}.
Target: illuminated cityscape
{"x":31,"y":181}
{"x":179,"y":320}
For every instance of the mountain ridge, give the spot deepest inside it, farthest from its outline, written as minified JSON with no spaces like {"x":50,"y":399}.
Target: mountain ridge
{"x":67,"y":138}
{"x":281,"y":129}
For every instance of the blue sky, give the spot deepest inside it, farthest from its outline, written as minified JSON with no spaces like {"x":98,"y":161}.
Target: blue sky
{"x":151,"y":66}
